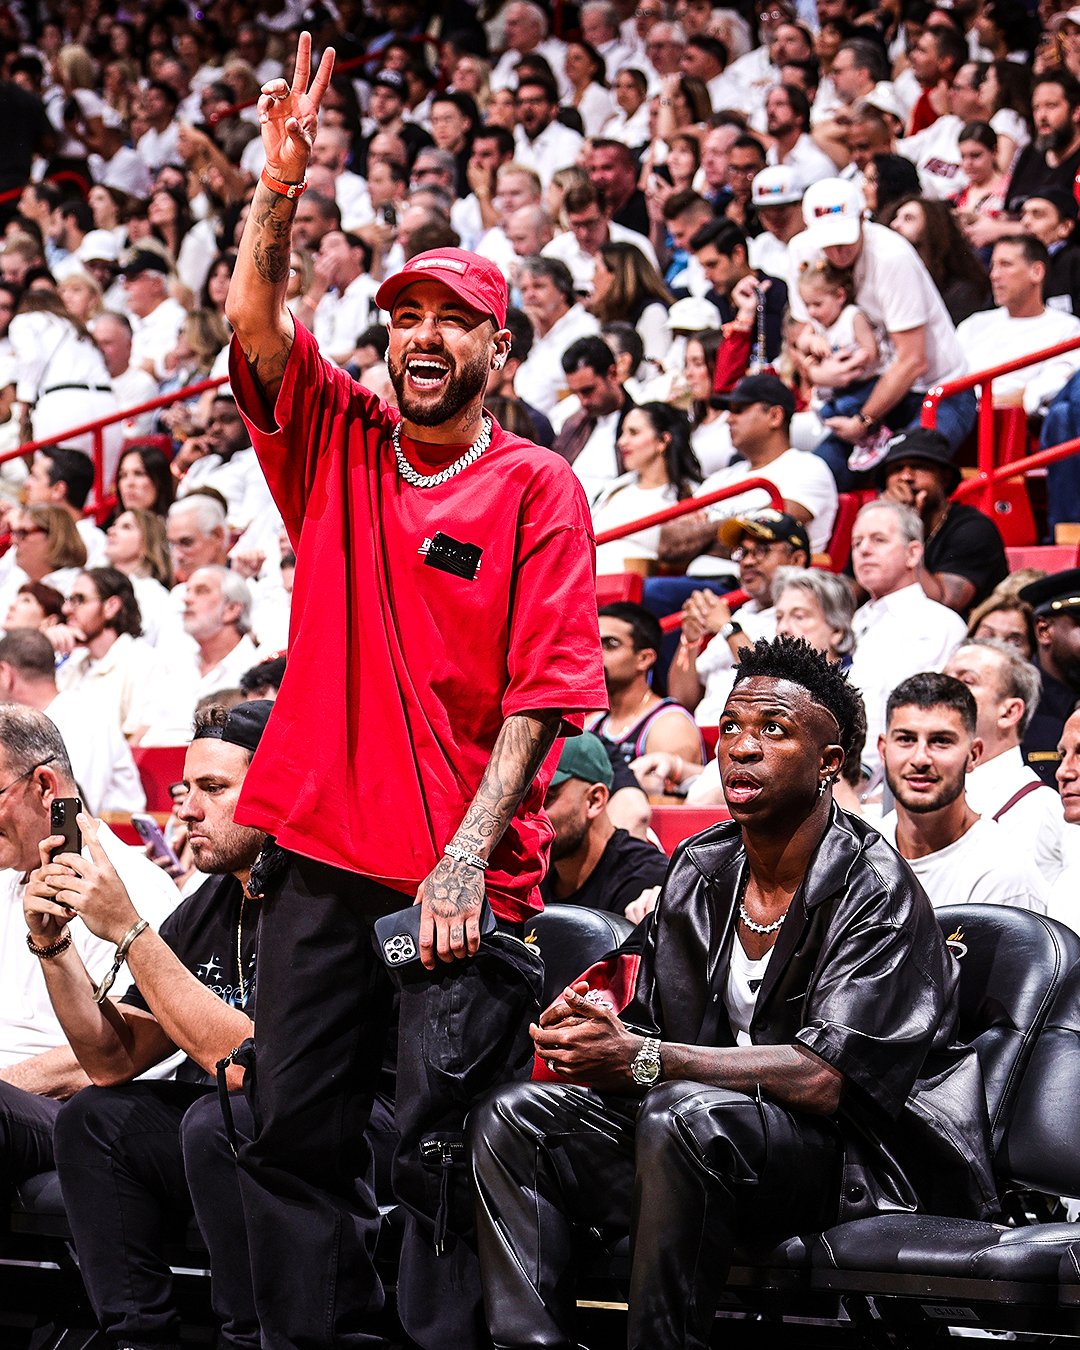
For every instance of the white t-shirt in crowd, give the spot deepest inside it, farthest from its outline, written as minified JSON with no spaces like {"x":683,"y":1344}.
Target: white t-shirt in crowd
{"x":541,"y":379}
{"x":808,"y":160}
{"x":897,"y":636}
{"x":992,"y":337}
{"x":896,"y":293}
{"x":797,"y":475}
{"x":621,"y":503}
{"x":981,"y":868}
{"x":28,"y":1025}
{"x":101,"y":758}
{"x":1035,"y":824}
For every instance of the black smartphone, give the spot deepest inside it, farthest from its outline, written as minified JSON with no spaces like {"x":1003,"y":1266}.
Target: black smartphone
{"x":63,"y":820}
{"x":389,"y":214}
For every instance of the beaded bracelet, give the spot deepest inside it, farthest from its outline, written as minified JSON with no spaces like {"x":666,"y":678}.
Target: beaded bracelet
{"x":62,"y":943}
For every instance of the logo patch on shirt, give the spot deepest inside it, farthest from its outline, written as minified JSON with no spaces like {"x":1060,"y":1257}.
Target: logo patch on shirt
{"x":449,"y":555}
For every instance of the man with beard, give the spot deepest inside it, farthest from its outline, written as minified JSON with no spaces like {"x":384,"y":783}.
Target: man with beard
{"x":118,"y":1143}
{"x":1056,"y":602}
{"x":592,"y":862}
{"x":1052,"y":159}
{"x":787,"y":120}
{"x":929,"y":747}
{"x":447,"y":627}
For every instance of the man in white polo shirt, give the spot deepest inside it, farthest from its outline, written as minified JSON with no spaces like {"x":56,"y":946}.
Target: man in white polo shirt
{"x":898,"y":295}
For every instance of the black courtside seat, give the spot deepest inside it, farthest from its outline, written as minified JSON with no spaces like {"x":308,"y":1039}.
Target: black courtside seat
{"x":920,"y":1267}
{"x":1012,"y":966}
{"x":570,"y":939}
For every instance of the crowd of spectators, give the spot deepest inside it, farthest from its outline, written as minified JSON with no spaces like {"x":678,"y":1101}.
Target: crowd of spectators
{"x":740,"y":242}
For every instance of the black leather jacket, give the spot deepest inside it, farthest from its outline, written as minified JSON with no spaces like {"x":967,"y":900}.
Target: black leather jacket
{"x":860,"y":974}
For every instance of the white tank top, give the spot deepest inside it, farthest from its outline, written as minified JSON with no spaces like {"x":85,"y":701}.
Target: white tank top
{"x":741,"y":992}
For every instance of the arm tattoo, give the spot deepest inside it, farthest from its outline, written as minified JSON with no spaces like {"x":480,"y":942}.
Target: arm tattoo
{"x":521,"y":747}
{"x":455,"y":888}
{"x":268,"y":367}
{"x":271,"y":243}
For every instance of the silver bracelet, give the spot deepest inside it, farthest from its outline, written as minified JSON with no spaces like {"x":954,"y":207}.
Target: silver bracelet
{"x":119,"y":959}
{"x":463,"y":855}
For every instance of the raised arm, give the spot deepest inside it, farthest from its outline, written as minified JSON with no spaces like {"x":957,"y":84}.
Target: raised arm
{"x":289,"y":119}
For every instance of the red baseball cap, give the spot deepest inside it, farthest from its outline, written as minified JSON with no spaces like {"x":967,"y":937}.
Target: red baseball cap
{"x":473,"y":279}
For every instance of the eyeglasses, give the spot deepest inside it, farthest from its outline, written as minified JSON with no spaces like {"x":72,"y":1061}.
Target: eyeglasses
{"x":18,"y":535}
{"x":186,"y":542}
{"x":756,"y":550}
{"x":77,"y":598}
{"x":26,"y":774}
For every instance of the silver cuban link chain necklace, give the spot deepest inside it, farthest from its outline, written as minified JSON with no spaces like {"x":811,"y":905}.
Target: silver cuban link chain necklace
{"x":429,"y":480}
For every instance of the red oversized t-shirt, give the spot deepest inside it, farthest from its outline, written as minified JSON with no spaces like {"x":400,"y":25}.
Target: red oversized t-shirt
{"x":400,"y":674}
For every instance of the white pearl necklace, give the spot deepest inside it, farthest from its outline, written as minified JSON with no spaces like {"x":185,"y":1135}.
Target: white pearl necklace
{"x":429,"y":480}
{"x":763,"y":928}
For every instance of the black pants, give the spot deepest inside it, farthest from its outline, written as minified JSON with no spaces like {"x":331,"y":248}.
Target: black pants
{"x":121,"y":1168}
{"x":324,"y":1004}
{"x":321,"y":1025}
{"x":690,"y":1172}
{"x":26,"y":1135}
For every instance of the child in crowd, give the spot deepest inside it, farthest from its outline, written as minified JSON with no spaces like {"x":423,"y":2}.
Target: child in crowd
{"x":838,"y":328}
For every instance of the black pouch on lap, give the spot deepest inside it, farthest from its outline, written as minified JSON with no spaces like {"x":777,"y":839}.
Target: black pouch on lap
{"x":463,"y":1030}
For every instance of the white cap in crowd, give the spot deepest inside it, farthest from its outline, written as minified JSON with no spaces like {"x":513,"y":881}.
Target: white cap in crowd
{"x":833,"y":211}
{"x":778,"y":185}
{"x":693,"y":314}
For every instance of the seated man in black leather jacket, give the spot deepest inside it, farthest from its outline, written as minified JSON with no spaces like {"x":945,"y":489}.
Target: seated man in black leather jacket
{"x":788,"y":1058}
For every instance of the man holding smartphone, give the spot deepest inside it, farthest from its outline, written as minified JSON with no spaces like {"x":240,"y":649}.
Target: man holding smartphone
{"x":446,"y":613}
{"x":38,"y":1069}
{"x":119,"y":1144}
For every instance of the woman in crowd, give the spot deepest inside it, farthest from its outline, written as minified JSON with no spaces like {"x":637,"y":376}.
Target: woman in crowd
{"x":682,"y":163}
{"x":35,"y":605}
{"x":61,"y":377}
{"x":1007,"y":619}
{"x":144,"y":481}
{"x":562,"y":180}
{"x":661,"y":468}
{"x":201,"y":338}
{"x":630,"y":122}
{"x":1006,"y":93}
{"x":136,"y":545}
{"x":709,"y":433}
{"x":81,"y":296}
{"x":216,"y":286}
{"x":109,"y":206}
{"x":170,"y":218}
{"x":931,"y":229}
{"x":987,"y":186}
{"x":472,"y":75}
{"x":47,"y":545}
{"x":886,"y":179}
{"x":587,"y":73}
{"x":627,"y":286}
{"x":501,"y":109}
{"x":301,"y":275}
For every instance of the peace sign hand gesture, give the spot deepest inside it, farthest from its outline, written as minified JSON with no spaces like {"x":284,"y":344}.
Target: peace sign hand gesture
{"x":289,"y":114}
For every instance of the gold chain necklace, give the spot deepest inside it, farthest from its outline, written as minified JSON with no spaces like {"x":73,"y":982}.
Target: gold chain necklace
{"x":240,"y":953}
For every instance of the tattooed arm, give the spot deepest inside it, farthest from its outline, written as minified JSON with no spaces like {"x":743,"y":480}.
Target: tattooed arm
{"x":289,"y":119}
{"x":453,"y":892}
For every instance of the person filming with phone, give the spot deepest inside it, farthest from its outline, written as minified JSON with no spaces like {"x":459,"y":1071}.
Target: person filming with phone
{"x":38,"y":1069}
{"x":119,"y":1144}
{"x":447,"y":612}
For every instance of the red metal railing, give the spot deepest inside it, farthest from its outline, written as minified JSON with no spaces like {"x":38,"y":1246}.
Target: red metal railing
{"x":988,"y":470}
{"x":96,"y":429}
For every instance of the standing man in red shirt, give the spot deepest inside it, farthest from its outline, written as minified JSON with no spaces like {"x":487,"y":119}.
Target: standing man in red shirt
{"x":444,"y":636}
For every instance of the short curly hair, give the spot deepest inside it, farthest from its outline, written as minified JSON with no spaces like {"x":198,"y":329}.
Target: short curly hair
{"x":788,"y":658}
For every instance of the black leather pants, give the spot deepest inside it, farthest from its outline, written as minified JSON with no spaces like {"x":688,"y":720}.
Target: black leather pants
{"x":691,"y":1170}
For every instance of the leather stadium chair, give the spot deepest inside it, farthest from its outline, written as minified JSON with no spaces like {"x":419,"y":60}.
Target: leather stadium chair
{"x":990,"y":1275}
{"x":570,"y":939}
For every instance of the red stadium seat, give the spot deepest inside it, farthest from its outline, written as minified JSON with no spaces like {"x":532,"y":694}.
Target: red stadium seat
{"x":159,"y":766}
{"x":1048,"y":557}
{"x":673,"y":824}
{"x":619,"y":586}
{"x":848,"y":506}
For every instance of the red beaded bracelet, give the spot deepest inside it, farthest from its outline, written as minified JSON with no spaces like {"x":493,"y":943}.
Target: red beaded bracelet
{"x":290,"y":190}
